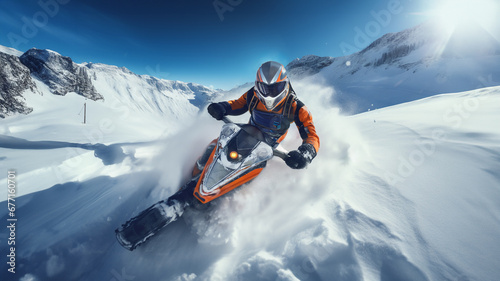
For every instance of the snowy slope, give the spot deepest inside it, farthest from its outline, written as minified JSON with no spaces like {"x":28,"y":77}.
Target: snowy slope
{"x":415,"y":63}
{"x":59,"y":119}
{"x":10,"y":51}
{"x":409,"y":192}
{"x":145,"y":93}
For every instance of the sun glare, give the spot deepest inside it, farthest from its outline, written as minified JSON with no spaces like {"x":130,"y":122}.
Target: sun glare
{"x":466,"y":26}
{"x":451,"y":13}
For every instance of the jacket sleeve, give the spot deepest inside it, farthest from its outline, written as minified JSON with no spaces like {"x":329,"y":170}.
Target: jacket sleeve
{"x":303,"y":120}
{"x":238,"y":106}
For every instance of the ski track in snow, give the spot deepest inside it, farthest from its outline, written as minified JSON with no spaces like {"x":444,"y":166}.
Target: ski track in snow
{"x":408,"y":192}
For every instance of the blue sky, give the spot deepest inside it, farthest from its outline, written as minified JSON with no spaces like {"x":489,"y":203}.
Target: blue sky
{"x":217,"y":43}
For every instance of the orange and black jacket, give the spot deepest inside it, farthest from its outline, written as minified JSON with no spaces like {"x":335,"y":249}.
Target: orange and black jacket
{"x":274,"y":124}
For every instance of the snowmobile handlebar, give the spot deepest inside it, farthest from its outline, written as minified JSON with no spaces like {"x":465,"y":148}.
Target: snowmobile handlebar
{"x":277,"y":153}
{"x":226,"y":120}
{"x":280,"y":154}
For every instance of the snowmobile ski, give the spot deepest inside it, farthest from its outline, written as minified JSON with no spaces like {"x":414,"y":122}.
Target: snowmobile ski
{"x":137,"y":230}
{"x":140,"y":228}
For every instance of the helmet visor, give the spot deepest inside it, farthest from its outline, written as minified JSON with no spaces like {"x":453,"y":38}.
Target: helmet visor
{"x":271,"y":91}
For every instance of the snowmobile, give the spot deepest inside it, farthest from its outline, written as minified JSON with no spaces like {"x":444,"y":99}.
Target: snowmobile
{"x":239,"y":155}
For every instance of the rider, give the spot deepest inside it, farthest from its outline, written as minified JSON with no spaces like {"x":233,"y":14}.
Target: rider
{"x":273,"y":106}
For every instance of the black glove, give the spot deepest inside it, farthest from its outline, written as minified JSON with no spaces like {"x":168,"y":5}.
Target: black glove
{"x":298,"y":159}
{"x":217,"y":110}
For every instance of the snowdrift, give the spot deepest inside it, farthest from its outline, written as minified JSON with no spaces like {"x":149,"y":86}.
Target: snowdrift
{"x":408,"y":192}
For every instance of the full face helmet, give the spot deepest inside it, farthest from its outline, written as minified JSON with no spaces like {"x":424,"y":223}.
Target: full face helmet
{"x":272,"y":84}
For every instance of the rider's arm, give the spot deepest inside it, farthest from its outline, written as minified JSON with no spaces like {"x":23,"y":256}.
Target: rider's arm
{"x":298,"y":159}
{"x":237,"y":106}
{"x":303,"y":120}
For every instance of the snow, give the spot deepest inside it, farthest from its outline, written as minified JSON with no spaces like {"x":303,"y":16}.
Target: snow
{"x":408,"y":192}
{"x":123,"y":117}
{"x":10,"y":51}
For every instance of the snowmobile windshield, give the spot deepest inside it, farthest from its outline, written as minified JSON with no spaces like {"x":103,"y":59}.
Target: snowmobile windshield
{"x":236,"y":156}
{"x":246,"y":140}
{"x":272,"y":90}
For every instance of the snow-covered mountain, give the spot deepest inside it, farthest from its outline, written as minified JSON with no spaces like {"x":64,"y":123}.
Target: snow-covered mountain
{"x":408,"y":65}
{"x":59,"y":75}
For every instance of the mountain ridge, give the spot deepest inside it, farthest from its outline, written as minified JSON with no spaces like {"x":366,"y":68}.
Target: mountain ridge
{"x":391,"y":70}
{"x":63,"y":76}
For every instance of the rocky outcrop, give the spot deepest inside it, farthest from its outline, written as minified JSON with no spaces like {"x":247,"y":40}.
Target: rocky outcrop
{"x":15,"y":79}
{"x":60,"y":73}
{"x":308,"y":65}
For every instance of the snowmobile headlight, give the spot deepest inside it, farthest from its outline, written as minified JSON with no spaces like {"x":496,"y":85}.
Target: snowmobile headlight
{"x":233,"y":155}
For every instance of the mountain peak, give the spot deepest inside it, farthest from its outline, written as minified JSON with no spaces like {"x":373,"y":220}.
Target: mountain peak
{"x":415,"y":63}
{"x":60,"y":73}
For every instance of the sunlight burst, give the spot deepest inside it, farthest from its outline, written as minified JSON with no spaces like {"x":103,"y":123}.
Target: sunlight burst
{"x":464,"y":25}
{"x":451,"y":13}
